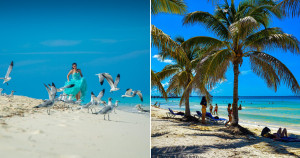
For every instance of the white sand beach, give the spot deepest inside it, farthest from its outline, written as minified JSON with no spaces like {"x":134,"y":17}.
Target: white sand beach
{"x":174,"y":138}
{"x":27,"y":132}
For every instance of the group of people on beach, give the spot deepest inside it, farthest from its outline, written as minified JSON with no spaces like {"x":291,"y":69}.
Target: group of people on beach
{"x":203,"y":103}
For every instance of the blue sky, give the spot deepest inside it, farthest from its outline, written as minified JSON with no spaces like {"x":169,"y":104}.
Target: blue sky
{"x":44,"y":38}
{"x":249,"y":83}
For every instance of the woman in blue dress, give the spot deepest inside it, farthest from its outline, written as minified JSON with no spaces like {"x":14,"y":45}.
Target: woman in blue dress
{"x":79,"y":90}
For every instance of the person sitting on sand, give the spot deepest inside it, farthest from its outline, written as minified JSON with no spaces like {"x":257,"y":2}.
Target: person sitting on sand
{"x":216,"y":110}
{"x":203,"y":103}
{"x":79,"y":90}
{"x":266,"y":132}
{"x":210,"y":108}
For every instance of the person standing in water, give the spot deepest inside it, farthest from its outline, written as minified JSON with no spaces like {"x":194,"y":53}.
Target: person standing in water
{"x":203,"y":103}
{"x":216,"y":110}
{"x":79,"y":90}
{"x":211,"y":108}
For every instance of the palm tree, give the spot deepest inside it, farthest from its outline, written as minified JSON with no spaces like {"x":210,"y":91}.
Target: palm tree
{"x":181,"y":72}
{"x":242,"y":32}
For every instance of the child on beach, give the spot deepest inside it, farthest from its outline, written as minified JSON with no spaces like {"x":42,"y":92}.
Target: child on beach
{"x":216,"y":110}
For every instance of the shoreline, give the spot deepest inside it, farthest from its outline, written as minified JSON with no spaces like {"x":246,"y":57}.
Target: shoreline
{"x":171,"y":137}
{"x":27,"y":132}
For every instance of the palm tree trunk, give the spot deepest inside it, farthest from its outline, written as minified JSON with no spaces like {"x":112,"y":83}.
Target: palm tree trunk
{"x":187,"y":102}
{"x":187,"y":107}
{"x":235,"y":114}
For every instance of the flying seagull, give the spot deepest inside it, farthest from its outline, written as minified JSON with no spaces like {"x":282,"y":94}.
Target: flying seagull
{"x":129,"y":93}
{"x":99,"y":97}
{"x":113,"y":84}
{"x":7,"y":77}
{"x":52,"y":90}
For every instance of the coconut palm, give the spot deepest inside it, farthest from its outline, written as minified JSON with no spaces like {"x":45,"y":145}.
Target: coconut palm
{"x":242,"y":32}
{"x":181,"y":71}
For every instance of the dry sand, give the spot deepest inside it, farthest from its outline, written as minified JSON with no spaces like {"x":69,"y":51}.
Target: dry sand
{"x":173,"y":138}
{"x":27,"y":132}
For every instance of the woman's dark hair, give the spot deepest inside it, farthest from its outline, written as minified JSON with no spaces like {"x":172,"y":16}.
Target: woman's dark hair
{"x":229,"y":104}
{"x":73,"y":64}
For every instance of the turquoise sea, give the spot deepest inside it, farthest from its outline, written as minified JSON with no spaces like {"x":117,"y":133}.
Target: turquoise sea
{"x":278,"y":111}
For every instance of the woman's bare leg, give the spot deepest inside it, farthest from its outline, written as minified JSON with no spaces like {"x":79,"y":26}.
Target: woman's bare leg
{"x":279,"y":132}
{"x":284,"y":132}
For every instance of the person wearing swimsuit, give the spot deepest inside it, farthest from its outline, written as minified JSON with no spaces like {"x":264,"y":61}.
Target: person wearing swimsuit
{"x":79,"y":90}
{"x":229,"y":110}
{"x":211,"y":108}
{"x":216,"y":110}
{"x":203,"y":103}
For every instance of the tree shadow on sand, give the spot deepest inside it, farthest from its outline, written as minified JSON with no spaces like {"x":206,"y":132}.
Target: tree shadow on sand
{"x":194,"y":151}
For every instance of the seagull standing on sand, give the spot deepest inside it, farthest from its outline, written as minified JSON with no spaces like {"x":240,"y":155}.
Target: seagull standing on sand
{"x":91,"y":103}
{"x":7,"y":77}
{"x":11,"y":94}
{"x":107,"y":109}
{"x":129,"y":93}
{"x":139,"y":108}
{"x":113,"y":84}
{"x":51,"y":93}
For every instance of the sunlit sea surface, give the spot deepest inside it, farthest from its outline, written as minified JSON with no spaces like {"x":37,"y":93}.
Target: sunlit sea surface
{"x":279,"y":111}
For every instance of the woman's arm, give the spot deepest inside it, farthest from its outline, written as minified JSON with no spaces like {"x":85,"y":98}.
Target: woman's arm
{"x":80,"y":72}
{"x":69,"y":75}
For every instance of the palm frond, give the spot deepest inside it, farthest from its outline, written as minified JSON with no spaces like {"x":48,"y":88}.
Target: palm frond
{"x":208,"y":21}
{"x":273,"y":71}
{"x":289,"y":7}
{"x":156,"y":82}
{"x":168,"y":6}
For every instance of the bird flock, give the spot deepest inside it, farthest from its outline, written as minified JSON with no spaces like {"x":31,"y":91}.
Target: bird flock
{"x":95,"y":101}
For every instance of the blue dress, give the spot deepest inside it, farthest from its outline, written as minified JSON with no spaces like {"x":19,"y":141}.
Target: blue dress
{"x":80,"y":86}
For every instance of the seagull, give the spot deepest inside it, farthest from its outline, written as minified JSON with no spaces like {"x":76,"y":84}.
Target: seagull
{"x":1,"y":91}
{"x":139,"y":108}
{"x":99,"y":97}
{"x":113,"y":84}
{"x":7,"y":77}
{"x":11,"y":94}
{"x":129,"y":93}
{"x":51,"y":93}
{"x":107,"y":109}
{"x":90,"y":104}
{"x":116,"y":105}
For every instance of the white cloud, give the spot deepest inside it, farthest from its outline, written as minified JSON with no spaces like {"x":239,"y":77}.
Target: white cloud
{"x":57,"y":43}
{"x":165,"y":84}
{"x":245,"y":72}
{"x":158,"y":57}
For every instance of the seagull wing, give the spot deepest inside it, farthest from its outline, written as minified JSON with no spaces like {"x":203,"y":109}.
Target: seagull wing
{"x":53,"y":91}
{"x":48,"y":90}
{"x":101,"y":79}
{"x":67,"y":86}
{"x":128,"y":91}
{"x":105,"y":110}
{"x":100,"y":95}
{"x":109,"y":79}
{"x":139,"y":93}
{"x":9,"y":69}
{"x":117,"y":80}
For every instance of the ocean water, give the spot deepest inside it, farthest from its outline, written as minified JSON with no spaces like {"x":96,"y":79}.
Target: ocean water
{"x":278,"y":111}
